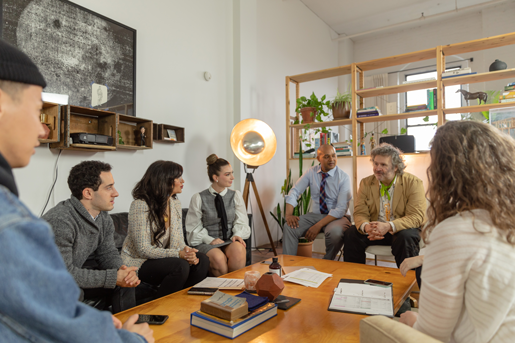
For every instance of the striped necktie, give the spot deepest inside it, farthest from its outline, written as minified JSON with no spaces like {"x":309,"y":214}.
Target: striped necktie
{"x":323,"y":205}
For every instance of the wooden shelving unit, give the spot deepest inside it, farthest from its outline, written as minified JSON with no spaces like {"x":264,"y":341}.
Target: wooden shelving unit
{"x":356,"y":70}
{"x":52,"y":113}
{"x":161,"y":133}
{"x":129,"y":128}
{"x":75,"y":119}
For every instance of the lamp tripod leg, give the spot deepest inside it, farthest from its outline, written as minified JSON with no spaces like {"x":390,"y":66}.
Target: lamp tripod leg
{"x":263,"y":216}
{"x":246,"y":193}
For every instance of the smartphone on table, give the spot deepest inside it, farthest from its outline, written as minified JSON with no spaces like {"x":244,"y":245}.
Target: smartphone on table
{"x":151,"y":319}
{"x":377,"y":283}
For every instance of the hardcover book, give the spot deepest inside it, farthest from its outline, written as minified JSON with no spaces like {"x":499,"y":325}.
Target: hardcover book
{"x":232,"y":329}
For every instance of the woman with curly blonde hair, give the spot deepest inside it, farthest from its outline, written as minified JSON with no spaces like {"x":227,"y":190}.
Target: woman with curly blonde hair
{"x":468,"y":292}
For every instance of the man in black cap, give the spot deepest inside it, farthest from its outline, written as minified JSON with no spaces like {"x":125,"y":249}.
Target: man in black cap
{"x":38,"y":297}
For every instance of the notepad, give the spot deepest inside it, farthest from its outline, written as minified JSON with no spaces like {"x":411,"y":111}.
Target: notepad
{"x":355,"y":296}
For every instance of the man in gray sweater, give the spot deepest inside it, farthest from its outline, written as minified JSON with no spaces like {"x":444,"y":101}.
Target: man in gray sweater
{"x":83,"y":227}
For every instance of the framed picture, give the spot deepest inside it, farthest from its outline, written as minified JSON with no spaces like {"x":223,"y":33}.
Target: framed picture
{"x":82,"y":54}
{"x":171,"y":135}
{"x":503,"y":119}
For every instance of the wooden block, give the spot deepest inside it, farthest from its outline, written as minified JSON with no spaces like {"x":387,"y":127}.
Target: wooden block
{"x":224,"y":312}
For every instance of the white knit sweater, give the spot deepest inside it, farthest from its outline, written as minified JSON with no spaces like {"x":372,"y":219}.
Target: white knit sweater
{"x":468,"y":282}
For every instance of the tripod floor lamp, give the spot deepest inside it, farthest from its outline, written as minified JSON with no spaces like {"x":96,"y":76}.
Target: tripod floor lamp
{"x":253,"y":142}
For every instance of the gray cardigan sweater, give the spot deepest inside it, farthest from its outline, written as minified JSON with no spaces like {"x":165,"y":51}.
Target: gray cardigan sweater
{"x":77,"y":235}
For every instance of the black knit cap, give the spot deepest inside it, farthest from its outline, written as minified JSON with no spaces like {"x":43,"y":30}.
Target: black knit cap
{"x":16,"y":66}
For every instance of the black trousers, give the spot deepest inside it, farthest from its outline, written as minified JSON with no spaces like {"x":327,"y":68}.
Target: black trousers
{"x":121,"y":298}
{"x":405,"y":243}
{"x":172,"y":274}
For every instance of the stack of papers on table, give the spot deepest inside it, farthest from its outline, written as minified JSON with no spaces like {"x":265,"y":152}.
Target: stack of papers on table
{"x":307,"y":277}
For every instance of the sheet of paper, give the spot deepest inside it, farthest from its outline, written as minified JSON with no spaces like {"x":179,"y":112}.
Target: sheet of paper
{"x":226,"y":300}
{"x":307,"y":277}
{"x":214,"y":282}
{"x":362,"y":298}
{"x":288,"y":270}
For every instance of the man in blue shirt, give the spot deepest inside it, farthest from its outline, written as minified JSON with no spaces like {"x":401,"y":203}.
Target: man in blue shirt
{"x":39,"y":299}
{"x":330,"y":195}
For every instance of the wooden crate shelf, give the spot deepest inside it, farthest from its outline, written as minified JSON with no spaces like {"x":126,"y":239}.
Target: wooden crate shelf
{"x":357,"y":71}
{"x":477,"y":108}
{"x":386,"y":117}
{"x":52,"y":113}
{"x":129,"y":128}
{"x":483,"y":77}
{"x":368,"y":93}
{"x":76,"y":119}
{"x":338,"y":122}
{"x":160,"y":133}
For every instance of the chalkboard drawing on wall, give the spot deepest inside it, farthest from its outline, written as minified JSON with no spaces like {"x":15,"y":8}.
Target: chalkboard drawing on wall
{"x":79,"y":52}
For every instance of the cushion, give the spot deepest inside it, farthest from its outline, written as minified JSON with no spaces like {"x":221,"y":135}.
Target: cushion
{"x":385,"y":330}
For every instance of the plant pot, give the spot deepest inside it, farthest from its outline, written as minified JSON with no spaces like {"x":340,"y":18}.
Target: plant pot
{"x":306,"y":114}
{"x":305,"y":249}
{"x":341,"y":112}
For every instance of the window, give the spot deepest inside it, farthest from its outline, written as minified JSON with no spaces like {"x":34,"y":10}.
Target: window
{"x":422,"y":130}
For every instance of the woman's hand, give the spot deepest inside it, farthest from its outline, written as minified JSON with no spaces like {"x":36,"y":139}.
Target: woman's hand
{"x":189,"y":254}
{"x":216,"y":241}
{"x":238,"y":239}
{"x":411,"y":263}
{"x":409,"y":318}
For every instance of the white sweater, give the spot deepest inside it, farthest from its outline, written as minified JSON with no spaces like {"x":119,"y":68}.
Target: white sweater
{"x":468,"y":282}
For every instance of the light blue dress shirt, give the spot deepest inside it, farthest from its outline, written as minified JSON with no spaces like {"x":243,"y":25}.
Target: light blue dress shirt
{"x":337,"y":190}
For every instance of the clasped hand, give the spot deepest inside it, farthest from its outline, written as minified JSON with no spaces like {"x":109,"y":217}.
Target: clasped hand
{"x":189,"y":254}
{"x":377,"y":230}
{"x":127,"y":277}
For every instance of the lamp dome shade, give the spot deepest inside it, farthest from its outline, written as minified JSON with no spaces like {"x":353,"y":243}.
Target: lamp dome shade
{"x":253,"y":142}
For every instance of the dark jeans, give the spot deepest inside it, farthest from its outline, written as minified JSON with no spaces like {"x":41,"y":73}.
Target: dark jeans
{"x":121,"y":298}
{"x":405,"y":243}
{"x":172,"y":274}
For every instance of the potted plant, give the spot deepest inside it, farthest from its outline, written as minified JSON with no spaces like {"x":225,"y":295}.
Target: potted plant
{"x":341,"y":105}
{"x":311,"y":108}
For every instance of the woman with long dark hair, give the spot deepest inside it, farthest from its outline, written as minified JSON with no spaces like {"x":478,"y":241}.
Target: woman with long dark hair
{"x":217,"y":223}
{"x":468,"y":292}
{"x":155,"y":242}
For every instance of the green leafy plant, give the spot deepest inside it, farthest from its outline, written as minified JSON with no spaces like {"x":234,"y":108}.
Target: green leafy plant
{"x":302,"y":203}
{"x":493,"y":98}
{"x":120,"y":139}
{"x":340,"y":100}
{"x":313,"y":101}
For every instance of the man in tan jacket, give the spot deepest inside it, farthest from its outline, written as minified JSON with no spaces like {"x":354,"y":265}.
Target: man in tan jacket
{"x":389,"y":210}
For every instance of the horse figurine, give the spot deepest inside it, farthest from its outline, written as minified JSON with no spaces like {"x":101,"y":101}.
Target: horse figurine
{"x":470,"y":96}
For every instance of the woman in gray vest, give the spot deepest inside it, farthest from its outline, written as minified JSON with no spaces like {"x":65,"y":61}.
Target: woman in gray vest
{"x":217,"y":221}
{"x":155,"y":242}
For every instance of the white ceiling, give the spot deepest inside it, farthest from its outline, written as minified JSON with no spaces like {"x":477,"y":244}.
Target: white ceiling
{"x":347,"y":17}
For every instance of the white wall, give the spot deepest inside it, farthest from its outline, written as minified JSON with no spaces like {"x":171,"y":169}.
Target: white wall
{"x":248,"y":46}
{"x":176,"y":42}
{"x":289,"y":40}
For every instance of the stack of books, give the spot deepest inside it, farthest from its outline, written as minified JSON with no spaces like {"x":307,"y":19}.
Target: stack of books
{"x":214,"y":315}
{"x":459,"y":72}
{"x":431,"y":99}
{"x":413,"y":108}
{"x":509,"y":93}
{"x":343,"y":149}
{"x":368,"y":112}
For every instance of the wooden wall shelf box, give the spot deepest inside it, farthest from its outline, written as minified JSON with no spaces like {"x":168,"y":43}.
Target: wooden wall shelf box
{"x":160,"y":133}
{"x":129,"y":127}
{"x":357,"y":70}
{"x":53,"y":122}
{"x":76,"y":119}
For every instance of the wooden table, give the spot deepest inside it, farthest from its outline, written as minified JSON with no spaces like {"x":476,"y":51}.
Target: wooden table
{"x":307,"y":321}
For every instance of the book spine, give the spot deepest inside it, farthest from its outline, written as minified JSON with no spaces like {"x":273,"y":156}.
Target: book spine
{"x":510,"y":84}
{"x":435,"y":106}
{"x":509,"y":88}
{"x":511,"y":96}
{"x":367,"y":115}
{"x":428,"y":95}
{"x":506,"y":100}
